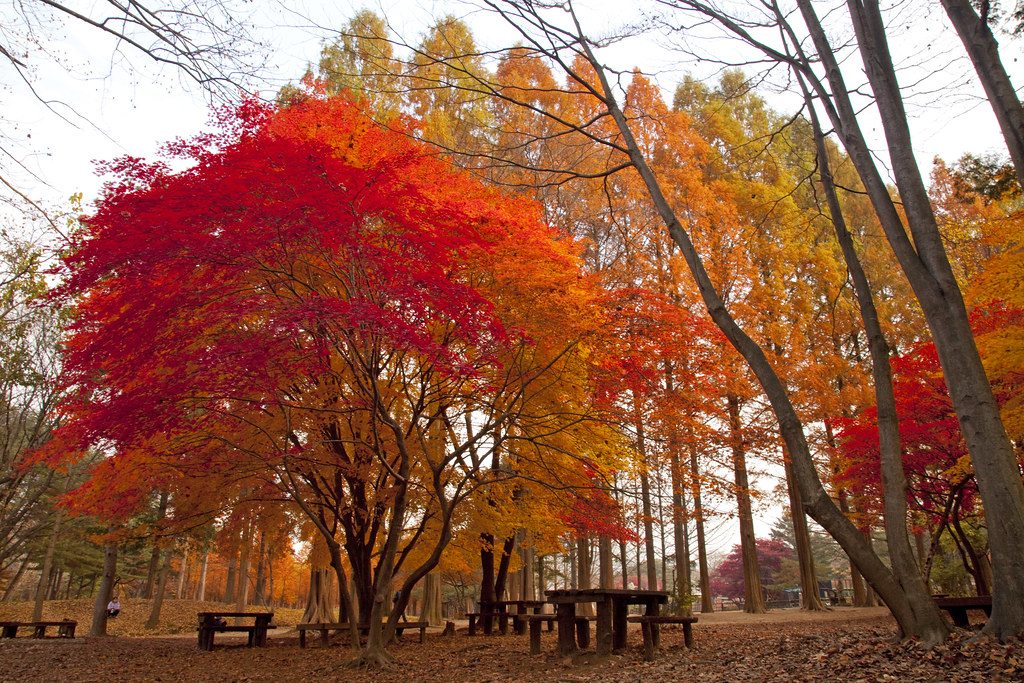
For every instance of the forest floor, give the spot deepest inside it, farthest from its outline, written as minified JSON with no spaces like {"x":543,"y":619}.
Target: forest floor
{"x":845,"y":644}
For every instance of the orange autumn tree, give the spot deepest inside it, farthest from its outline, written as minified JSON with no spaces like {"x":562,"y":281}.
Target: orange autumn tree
{"x":325,"y":304}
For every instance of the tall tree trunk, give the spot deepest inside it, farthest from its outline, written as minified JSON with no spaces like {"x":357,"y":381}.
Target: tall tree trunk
{"x":681,"y":534}
{"x":161,"y":591}
{"x":583,"y":573}
{"x":13,"y":584}
{"x":46,"y":573}
{"x":983,"y":50}
{"x":529,"y":591}
{"x":99,"y":607}
{"x":645,"y":497}
{"x":606,"y":572}
{"x":242,"y":590}
{"x":706,"y":598}
{"x":928,"y":270}
{"x":201,"y":591}
{"x":154,"y":557}
{"x":487,"y":596}
{"x":232,"y":570}
{"x":929,"y":624}
{"x":261,"y":576}
{"x":432,"y":599}
{"x":182,"y":572}
{"x":809,"y":599}
{"x":753,"y":593}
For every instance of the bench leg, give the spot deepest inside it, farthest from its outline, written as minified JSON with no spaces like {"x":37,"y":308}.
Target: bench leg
{"x":960,"y":617}
{"x":472,"y":625}
{"x":423,"y":634}
{"x":535,"y":637}
{"x":688,"y":634}
{"x":302,"y":638}
{"x":648,"y":641}
{"x":551,"y":625}
{"x":583,"y":633}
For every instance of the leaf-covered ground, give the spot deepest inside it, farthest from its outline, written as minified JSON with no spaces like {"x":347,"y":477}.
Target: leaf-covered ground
{"x":845,"y":645}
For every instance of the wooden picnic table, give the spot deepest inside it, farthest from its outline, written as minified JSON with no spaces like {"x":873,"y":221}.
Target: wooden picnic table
{"x":612,"y":610}
{"x":213,"y":622}
{"x":957,"y":607}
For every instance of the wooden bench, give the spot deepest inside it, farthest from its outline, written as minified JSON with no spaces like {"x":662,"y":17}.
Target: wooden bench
{"x":649,"y":626}
{"x":65,"y":628}
{"x":535,"y":620}
{"x":957,"y":607}
{"x":215,"y":622}
{"x":343,"y":627}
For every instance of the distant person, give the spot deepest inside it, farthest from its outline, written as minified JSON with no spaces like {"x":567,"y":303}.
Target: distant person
{"x":113,"y":607}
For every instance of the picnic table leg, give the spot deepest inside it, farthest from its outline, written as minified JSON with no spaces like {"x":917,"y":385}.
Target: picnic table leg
{"x":535,"y":637}
{"x":566,"y":637}
{"x":619,"y":609}
{"x":604,"y":627}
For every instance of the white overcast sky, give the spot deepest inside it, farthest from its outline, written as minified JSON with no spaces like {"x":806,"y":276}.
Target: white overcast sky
{"x":116,"y":110}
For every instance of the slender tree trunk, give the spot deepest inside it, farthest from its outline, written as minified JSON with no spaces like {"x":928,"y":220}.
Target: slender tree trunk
{"x":154,"y":558}
{"x":12,"y":586}
{"x":809,"y":598}
{"x":46,"y":573}
{"x":928,"y":270}
{"x":182,"y":571}
{"x":261,"y":576}
{"x":161,"y":591}
{"x":606,"y":572}
{"x":242,"y":590}
{"x":681,"y":534}
{"x":99,"y":608}
{"x":707,"y":604}
{"x":229,"y":586}
{"x":645,"y":497}
{"x":753,"y":594}
{"x":487,"y":596}
{"x":929,"y":624}
{"x":584,"y":578}
{"x":201,"y":591}
{"x":983,"y":50}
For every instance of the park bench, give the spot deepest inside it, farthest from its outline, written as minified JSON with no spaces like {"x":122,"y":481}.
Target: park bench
{"x":216,"y":622}
{"x":535,"y":620}
{"x":65,"y":628}
{"x":957,"y":607}
{"x":325,"y":628}
{"x":651,"y":635}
